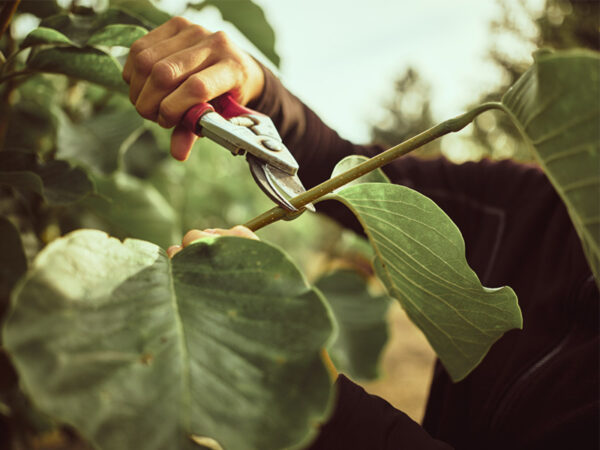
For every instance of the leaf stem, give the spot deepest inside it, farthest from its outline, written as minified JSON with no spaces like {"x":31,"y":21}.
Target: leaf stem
{"x":449,"y":126}
{"x":6,"y":14}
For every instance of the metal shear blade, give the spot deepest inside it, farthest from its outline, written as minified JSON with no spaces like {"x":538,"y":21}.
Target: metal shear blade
{"x":243,"y":130}
{"x":278,"y":185}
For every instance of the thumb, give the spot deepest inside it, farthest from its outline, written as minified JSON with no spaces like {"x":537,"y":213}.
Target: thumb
{"x":182,"y":141}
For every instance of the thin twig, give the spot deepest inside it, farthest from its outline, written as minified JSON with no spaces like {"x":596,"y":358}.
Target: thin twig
{"x":449,"y":126}
{"x":6,"y":14}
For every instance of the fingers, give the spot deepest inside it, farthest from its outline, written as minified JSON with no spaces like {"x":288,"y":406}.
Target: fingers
{"x":182,"y":141}
{"x":160,"y":68}
{"x":178,"y":61}
{"x":200,"y":87}
{"x":242,"y":231}
{"x":239,"y":231}
{"x":173,"y":250}
{"x":193,"y":235}
{"x":165,"y":31}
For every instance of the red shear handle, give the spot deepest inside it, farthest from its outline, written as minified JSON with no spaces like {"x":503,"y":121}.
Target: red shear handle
{"x":224,"y":104}
{"x":193,"y":115}
{"x":228,"y":107}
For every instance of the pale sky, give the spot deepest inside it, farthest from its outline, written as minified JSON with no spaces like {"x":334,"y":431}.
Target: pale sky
{"x":341,"y":57}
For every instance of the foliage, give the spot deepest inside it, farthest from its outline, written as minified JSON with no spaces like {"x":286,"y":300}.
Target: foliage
{"x":361,"y":319}
{"x":210,"y":342}
{"x":420,"y":258}
{"x":556,"y":109}
{"x":561,"y":24}
{"x":242,"y":329}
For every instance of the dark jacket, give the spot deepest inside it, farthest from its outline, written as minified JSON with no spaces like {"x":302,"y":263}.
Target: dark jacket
{"x":538,"y":388}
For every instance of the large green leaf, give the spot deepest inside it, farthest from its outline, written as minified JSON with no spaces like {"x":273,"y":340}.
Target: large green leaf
{"x":361,"y":319}
{"x":420,"y":257}
{"x":134,"y":208}
{"x":43,"y":36}
{"x":137,"y":351}
{"x":99,"y":141}
{"x":117,"y":34}
{"x":57,"y":181}
{"x":79,"y":27}
{"x":349,"y":162}
{"x":250,"y":19}
{"x":87,"y":63}
{"x":143,"y":10}
{"x":556,"y":106}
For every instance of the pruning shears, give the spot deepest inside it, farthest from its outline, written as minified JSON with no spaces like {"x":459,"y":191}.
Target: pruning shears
{"x":242,"y":131}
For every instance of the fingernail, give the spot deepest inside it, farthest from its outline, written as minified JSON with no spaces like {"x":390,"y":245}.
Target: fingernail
{"x":173,"y":249}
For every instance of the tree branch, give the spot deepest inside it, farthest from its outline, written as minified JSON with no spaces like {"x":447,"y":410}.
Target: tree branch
{"x":448,"y":126}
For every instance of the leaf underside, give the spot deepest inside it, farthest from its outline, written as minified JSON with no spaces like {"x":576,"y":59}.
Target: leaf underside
{"x":130,"y":347}
{"x":420,"y":257}
{"x":555,"y":105}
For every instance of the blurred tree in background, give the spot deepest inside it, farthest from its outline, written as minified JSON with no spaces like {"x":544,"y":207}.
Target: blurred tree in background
{"x":561,"y":24}
{"x":407,"y":114}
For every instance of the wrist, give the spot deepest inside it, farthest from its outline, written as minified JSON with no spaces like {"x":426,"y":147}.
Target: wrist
{"x":256,"y":80}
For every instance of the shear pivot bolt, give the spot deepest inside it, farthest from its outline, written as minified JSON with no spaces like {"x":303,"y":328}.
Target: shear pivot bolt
{"x":273,"y":145}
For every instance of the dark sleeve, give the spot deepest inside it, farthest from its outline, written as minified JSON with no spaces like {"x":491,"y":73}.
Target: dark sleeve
{"x":362,"y":421}
{"x":517,"y":232}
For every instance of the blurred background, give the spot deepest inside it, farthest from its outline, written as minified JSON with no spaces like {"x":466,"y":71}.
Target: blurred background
{"x":381,"y":72}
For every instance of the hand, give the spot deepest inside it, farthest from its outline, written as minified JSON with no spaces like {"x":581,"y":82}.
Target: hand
{"x":180,"y":64}
{"x":194,"y":235}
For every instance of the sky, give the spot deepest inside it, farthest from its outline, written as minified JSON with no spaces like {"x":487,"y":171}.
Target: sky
{"x":341,"y":57}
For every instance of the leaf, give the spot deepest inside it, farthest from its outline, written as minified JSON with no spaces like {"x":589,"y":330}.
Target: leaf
{"x":250,"y":19}
{"x":12,"y":260}
{"x":420,"y":257}
{"x":97,"y":142}
{"x":361,"y":319}
{"x":88,"y":64}
{"x":22,"y":179}
{"x":130,"y":347}
{"x":143,"y":10}
{"x":57,"y":181}
{"x":134,"y":208}
{"x":43,"y":35}
{"x":123,"y":35}
{"x":80,"y":27}
{"x":349,"y":162}
{"x":555,"y":106}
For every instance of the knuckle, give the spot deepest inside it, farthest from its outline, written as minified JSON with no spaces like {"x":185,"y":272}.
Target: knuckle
{"x":220,"y":40}
{"x":137,"y":46}
{"x":179,"y":22}
{"x":145,"y":111}
{"x":168,"y":114}
{"x":198,"y":32}
{"x":144,"y":61}
{"x":199,"y":88}
{"x":164,"y":74}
